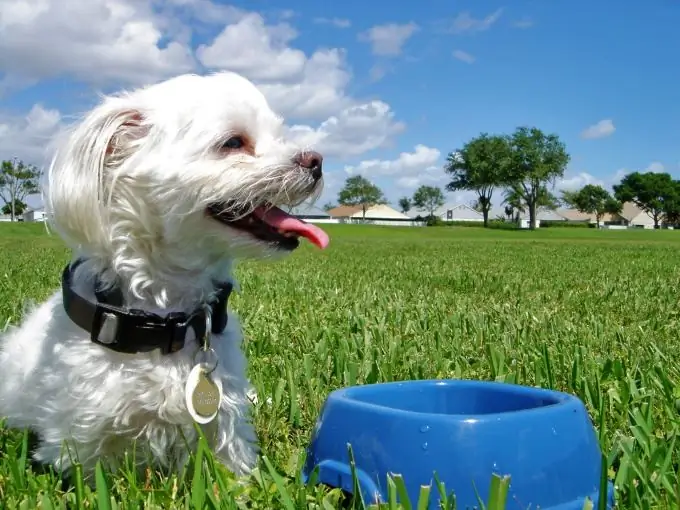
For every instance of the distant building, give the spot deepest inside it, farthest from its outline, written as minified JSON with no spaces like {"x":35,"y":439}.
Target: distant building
{"x":34,"y":215}
{"x":375,"y":215}
{"x":311,"y":214}
{"x":631,"y":216}
{"x":457,"y":212}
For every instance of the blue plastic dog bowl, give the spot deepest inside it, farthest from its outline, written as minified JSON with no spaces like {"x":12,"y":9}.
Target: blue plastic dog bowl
{"x":464,"y":431}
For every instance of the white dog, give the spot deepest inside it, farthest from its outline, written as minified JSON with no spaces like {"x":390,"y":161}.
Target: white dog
{"x":157,"y":191}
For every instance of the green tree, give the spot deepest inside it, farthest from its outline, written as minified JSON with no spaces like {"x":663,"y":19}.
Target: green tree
{"x":592,"y":199}
{"x":428,"y":198}
{"x":671,"y":214}
{"x":474,"y":204}
{"x":479,"y":166}
{"x":514,"y":203}
{"x":360,"y":191}
{"x":328,"y":206}
{"x":535,"y":160}
{"x":654,"y":193}
{"x":17,"y":181}
{"x":19,"y":208}
{"x":405,"y":204}
{"x":568,"y":197}
{"x":546,"y":199}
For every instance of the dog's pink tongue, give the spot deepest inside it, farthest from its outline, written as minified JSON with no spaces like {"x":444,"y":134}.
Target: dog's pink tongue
{"x":278,"y":219}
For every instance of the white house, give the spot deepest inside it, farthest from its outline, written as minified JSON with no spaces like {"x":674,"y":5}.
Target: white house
{"x":458,"y":212}
{"x":542,"y":214}
{"x":636,"y":217}
{"x":375,"y":215}
{"x":311,"y":214}
{"x":631,"y":216}
{"x":34,"y":215}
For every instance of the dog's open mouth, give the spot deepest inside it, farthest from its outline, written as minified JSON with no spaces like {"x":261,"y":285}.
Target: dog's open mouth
{"x":269,"y":223}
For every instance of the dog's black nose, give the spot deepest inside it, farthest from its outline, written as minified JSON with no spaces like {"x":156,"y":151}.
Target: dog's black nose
{"x":312,"y":161}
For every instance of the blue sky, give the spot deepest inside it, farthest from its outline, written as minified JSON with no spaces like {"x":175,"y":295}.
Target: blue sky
{"x":408,"y":84}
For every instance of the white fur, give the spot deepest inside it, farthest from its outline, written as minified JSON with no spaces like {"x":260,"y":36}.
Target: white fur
{"x":138,"y":215}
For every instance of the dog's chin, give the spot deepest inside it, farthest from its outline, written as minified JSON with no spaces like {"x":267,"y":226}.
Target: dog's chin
{"x":263,"y":229}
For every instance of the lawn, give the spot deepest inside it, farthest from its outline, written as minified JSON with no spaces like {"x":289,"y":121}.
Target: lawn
{"x":592,"y":313}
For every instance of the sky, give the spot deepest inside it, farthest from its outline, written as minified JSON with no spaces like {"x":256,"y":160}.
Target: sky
{"x":385,"y":91}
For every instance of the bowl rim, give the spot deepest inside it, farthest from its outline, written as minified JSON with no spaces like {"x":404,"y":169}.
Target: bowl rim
{"x":563,"y":400}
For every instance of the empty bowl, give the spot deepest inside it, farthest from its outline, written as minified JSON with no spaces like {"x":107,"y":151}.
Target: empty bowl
{"x":464,"y":431}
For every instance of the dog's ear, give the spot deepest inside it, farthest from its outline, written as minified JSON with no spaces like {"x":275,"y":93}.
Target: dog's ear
{"x":82,"y":172}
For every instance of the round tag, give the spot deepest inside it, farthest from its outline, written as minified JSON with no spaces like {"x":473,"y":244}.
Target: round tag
{"x":203,"y":395}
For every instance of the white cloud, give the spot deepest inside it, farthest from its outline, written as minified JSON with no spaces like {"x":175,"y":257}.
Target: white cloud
{"x":464,"y":56}
{"x":523,"y":23}
{"x":388,"y":40}
{"x":601,"y":129}
{"x":377,"y":72}
{"x":28,"y":138}
{"x":655,"y":167}
{"x":98,"y":41}
{"x":577,"y":181}
{"x":336,"y":22}
{"x":319,"y":92}
{"x":204,"y":11}
{"x":465,"y":23}
{"x":297,"y":85}
{"x":130,"y":42}
{"x":409,"y":170}
{"x":258,"y":51}
{"x":620,"y":174}
{"x":354,"y":131}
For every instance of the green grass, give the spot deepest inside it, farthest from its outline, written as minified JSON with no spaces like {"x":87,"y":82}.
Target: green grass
{"x":592,"y":313}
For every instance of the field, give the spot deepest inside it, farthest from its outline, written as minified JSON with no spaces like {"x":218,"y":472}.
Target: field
{"x":592,"y":313}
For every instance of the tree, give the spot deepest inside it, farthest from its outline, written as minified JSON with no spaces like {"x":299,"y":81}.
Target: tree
{"x":654,"y":193}
{"x":428,"y":198}
{"x":535,"y":159}
{"x":514,"y":203}
{"x":568,"y":198}
{"x":479,"y":166}
{"x":546,"y":199}
{"x":592,"y":199}
{"x":405,"y":204}
{"x":329,"y":206}
{"x":19,"y":208}
{"x":474,"y":204}
{"x":17,"y":181}
{"x":360,"y":191}
{"x":671,"y":213}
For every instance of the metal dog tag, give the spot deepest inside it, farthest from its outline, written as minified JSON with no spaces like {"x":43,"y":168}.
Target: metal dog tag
{"x":203,"y":395}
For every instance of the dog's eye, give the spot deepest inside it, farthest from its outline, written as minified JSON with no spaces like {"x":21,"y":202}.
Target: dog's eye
{"x":235,"y":142}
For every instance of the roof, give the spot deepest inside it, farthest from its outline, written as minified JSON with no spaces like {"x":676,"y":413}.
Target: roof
{"x":384,"y":211}
{"x":576,"y":215}
{"x":630,"y":211}
{"x":377,"y":211}
{"x":464,"y":208}
{"x":342,"y":211}
{"x":307,"y":210}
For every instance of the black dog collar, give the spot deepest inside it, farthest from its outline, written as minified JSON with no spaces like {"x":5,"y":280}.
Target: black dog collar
{"x":127,"y":330}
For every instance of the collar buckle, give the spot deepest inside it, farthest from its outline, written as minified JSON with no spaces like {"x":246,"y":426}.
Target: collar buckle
{"x":133,"y":331}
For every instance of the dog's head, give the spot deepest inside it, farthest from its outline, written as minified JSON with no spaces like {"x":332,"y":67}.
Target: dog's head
{"x":182,"y":173}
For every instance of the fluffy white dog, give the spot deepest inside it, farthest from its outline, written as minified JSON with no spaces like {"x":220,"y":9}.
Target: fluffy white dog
{"x":157,"y":191}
